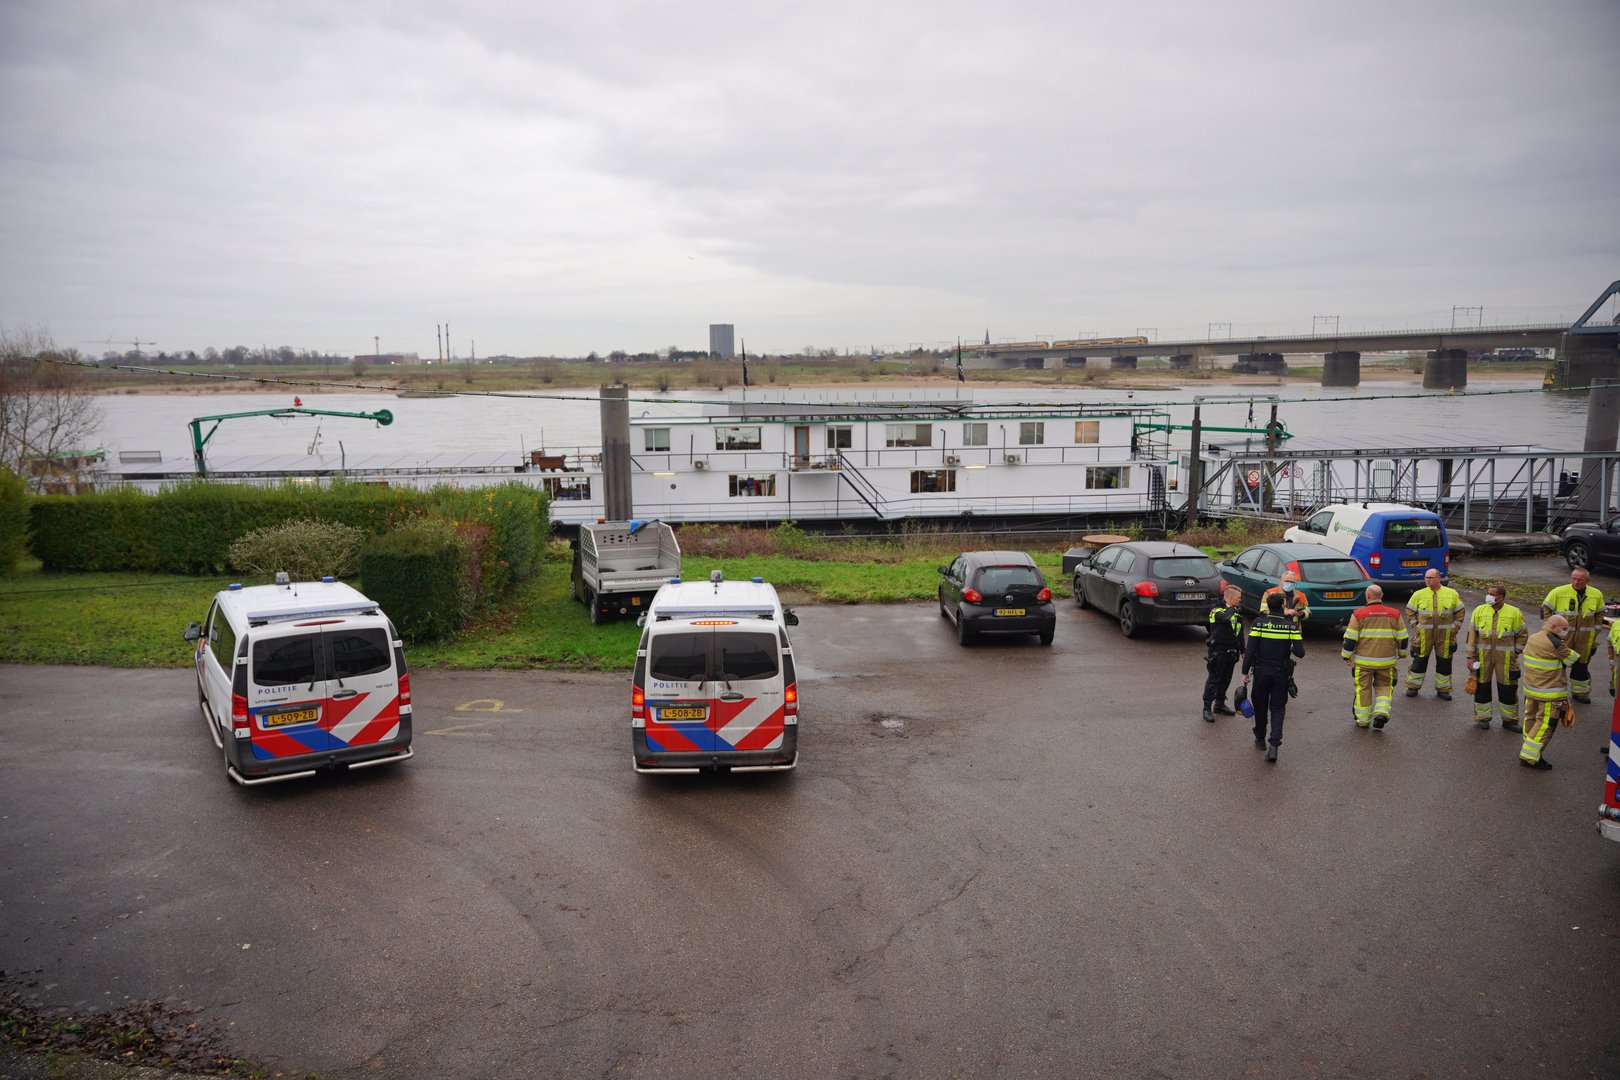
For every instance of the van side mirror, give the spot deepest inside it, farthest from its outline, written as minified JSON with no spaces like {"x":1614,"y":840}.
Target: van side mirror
{"x":789,"y":617}
{"x":194,"y":631}
{"x":945,"y":570}
{"x":641,"y":620}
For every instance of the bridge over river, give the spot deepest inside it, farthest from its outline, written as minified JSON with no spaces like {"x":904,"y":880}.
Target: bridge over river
{"x":1586,"y":350}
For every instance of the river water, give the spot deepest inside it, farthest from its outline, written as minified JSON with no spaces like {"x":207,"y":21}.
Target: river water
{"x":1393,"y":414}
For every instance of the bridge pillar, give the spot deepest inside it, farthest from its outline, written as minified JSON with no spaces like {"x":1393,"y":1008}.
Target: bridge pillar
{"x":1584,"y":358}
{"x":1074,"y":363}
{"x":1181,"y":361}
{"x":1123,"y":363}
{"x":1341,"y":369}
{"x":1446,"y":369}
{"x":1263,"y":363}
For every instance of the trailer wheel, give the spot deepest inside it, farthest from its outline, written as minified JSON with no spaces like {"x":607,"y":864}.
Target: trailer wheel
{"x":596,"y":607}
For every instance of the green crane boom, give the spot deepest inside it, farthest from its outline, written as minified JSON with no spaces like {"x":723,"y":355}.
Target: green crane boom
{"x":199,"y":440}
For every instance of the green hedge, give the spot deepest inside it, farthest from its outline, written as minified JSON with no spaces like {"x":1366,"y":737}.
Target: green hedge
{"x":189,"y":529}
{"x":13,"y":520}
{"x":418,"y":574}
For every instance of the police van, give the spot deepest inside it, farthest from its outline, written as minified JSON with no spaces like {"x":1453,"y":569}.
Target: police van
{"x":299,"y":676}
{"x":1396,"y":544}
{"x":714,"y":688}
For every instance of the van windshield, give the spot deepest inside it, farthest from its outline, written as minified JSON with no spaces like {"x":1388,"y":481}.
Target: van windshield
{"x":285,"y":660}
{"x":704,"y":655}
{"x":1413,"y":533}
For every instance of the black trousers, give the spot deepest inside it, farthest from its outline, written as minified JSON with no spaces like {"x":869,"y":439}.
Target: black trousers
{"x":1220,"y":664}
{"x":1268,"y":692}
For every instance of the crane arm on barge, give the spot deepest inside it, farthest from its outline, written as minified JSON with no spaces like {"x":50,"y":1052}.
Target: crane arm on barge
{"x":199,"y":440}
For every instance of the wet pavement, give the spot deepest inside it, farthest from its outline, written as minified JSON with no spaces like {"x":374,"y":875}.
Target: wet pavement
{"x":1001,"y":860}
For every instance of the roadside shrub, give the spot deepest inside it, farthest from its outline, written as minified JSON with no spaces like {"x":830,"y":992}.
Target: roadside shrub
{"x":515,"y":520}
{"x":13,"y":520}
{"x":306,"y":550}
{"x":417,"y":573}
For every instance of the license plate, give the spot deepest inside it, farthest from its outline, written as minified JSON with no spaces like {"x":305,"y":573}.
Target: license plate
{"x":683,"y":712}
{"x":1414,"y":562}
{"x":1338,"y":594}
{"x":1009,"y":611}
{"x":290,"y":716}
{"x":1192,"y":596}
{"x":635,"y":601}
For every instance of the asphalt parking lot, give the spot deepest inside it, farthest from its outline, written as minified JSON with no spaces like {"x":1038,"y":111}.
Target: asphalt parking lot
{"x":1005,"y":860}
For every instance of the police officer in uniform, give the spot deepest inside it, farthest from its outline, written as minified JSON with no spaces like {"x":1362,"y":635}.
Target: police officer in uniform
{"x":1582,"y":607}
{"x":1274,"y":643}
{"x":1225,"y":646}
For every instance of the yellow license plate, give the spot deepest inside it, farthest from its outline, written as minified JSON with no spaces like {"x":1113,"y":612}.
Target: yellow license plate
{"x":683,"y":712}
{"x":1339,"y":594}
{"x":1009,"y":611}
{"x":291,"y":716}
{"x":635,"y":601}
{"x":1414,"y":562}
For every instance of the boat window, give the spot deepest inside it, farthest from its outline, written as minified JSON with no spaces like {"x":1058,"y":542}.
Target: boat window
{"x":1412,"y":533}
{"x":931,"y":480}
{"x":976,"y":433}
{"x":1031,"y":432}
{"x":909,"y":434}
{"x":1086,"y":431}
{"x":737,"y":437}
{"x":285,"y":660}
{"x":657,"y":438}
{"x":1330,"y":571}
{"x":748,"y":485}
{"x":1183,"y":566}
{"x":570,"y":488}
{"x":1108,"y":477}
{"x":840,"y":436}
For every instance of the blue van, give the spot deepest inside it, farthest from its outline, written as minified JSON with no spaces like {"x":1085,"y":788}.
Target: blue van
{"x":1396,"y":544}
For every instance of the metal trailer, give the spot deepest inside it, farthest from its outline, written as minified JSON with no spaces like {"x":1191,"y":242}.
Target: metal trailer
{"x":619,"y":565}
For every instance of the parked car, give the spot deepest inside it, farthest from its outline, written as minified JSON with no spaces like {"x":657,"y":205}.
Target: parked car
{"x":1148,"y":583}
{"x":996,"y":592}
{"x":1334,"y":584}
{"x":1594,"y":546}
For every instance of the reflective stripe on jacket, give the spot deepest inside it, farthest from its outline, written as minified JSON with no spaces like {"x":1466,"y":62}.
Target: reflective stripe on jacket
{"x":1272,"y":639}
{"x":1585,"y":615}
{"x":1435,"y":615}
{"x":1295,"y":600}
{"x":1496,"y":640}
{"x":1376,"y":636}
{"x":1546,"y":668}
{"x":1225,"y":627}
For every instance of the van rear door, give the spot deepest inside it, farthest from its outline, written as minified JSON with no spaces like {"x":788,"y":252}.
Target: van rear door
{"x":715,"y":688}
{"x":362,"y":688}
{"x":287,"y":695}
{"x":1412,"y":546}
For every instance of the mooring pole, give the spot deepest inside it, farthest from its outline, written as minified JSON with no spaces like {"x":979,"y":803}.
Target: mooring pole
{"x":1195,"y":468}
{"x":615,"y":401}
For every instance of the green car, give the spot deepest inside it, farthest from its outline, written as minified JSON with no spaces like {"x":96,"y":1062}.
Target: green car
{"x":1334,"y":584}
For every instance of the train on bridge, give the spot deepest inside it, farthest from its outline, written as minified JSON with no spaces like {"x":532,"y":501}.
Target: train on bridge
{"x":1079,"y":343}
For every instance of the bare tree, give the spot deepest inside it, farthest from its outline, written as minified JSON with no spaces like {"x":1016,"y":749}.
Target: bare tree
{"x":46,"y":407}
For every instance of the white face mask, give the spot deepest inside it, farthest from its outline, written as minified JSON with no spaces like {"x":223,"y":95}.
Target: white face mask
{"x":1288,"y":586}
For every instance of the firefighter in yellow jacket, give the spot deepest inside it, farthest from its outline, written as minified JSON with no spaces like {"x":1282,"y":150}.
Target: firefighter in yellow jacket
{"x":1375,"y":639}
{"x":1434,"y":615}
{"x":1582,"y":606}
{"x":1548,"y":660}
{"x":1496,"y":639}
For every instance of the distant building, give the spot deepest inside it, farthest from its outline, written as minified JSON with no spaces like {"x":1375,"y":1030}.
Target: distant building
{"x":723,"y":340}
{"x":388,"y":358}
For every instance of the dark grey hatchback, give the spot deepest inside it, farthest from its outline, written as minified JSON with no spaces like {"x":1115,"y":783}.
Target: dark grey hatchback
{"x":1148,"y":583}
{"x":996,"y":592}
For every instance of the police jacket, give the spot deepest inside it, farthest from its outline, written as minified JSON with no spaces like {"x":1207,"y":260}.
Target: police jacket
{"x":1226,"y":628}
{"x":1272,"y":640}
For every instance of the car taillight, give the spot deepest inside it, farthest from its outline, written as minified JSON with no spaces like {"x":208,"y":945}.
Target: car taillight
{"x":239,"y":712}
{"x":1222,"y":589}
{"x":1376,"y":560}
{"x":972,"y":596}
{"x":405,"y":688}
{"x":790,"y":700}
{"x":638,"y":703}
{"x":1294,"y":566}
{"x":1448,"y":558}
{"x":1146,"y":588}
{"x":1043,"y":596}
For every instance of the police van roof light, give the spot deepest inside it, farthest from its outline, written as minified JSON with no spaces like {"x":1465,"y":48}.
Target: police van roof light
{"x":282,"y":578}
{"x":233,"y":586}
{"x":328,"y":579}
{"x":716,"y":576}
{"x":759,"y":581}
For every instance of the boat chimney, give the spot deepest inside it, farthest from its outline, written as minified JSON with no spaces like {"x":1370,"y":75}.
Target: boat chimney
{"x":615,"y":401}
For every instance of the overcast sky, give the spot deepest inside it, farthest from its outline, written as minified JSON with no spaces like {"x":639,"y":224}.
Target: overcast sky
{"x":558,"y":178}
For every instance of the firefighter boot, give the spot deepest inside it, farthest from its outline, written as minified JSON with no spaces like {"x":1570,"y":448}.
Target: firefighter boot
{"x":1209,"y":713}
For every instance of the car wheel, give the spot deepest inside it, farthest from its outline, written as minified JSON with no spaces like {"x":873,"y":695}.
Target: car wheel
{"x":1080,"y":594}
{"x":964,"y":633}
{"x":1578,"y":555}
{"x":1046,"y":636}
{"x":1127,"y":620}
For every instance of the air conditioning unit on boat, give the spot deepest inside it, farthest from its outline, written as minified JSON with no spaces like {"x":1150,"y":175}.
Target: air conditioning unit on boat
{"x":699,"y":464}
{"x":952,"y":459}
{"x":1013,"y":459}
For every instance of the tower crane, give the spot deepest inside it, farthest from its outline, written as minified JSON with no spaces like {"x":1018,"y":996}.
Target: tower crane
{"x":137,"y":343}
